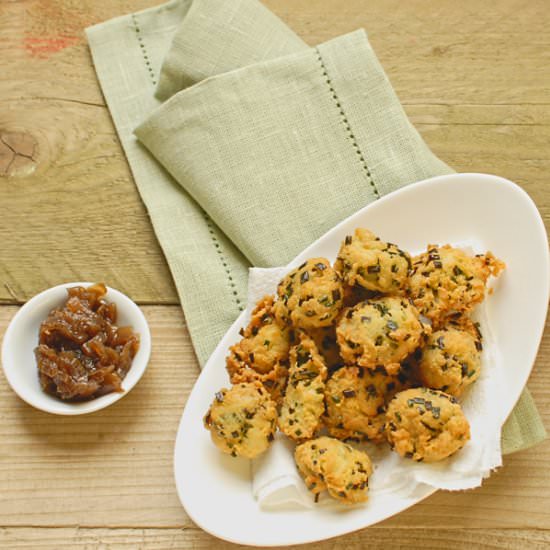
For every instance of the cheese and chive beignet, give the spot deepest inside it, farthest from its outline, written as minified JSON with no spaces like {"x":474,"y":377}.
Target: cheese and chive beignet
{"x":356,"y":400}
{"x":379,"y":332}
{"x":426,"y":425}
{"x":330,"y":464}
{"x":445,"y":281}
{"x":450,"y":360}
{"x":312,"y":293}
{"x":242,"y":420}
{"x":370,"y":263}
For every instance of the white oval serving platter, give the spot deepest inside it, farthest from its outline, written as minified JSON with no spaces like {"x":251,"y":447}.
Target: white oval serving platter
{"x":215,"y":489}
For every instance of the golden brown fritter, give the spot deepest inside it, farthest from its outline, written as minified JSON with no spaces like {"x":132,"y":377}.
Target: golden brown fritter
{"x":445,"y":281}
{"x":373,"y":264}
{"x":377,"y":332}
{"x":426,"y":425}
{"x":303,"y":403}
{"x":450,"y":361}
{"x":356,"y":401}
{"x":330,"y":464}
{"x":262,"y":353}
{"x":265,"y":342}
{"x":242,"y":420}
{"x":312,"y":293}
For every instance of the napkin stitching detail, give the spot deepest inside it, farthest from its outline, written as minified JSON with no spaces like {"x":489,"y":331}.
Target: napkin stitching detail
{"x":224,"y":261}
{"x":143,"y":49}
{"x":346,"y":123}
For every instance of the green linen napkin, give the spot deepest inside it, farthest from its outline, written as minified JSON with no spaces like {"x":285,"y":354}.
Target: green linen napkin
{"x":275,"y":152}
{"x":279,"y":151}
{"x":238,"y":33}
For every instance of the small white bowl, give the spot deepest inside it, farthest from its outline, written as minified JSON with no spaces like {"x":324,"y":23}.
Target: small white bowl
{"x":21,"y":338}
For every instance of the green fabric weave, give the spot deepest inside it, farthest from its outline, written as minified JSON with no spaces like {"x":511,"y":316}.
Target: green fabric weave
{"x":268,"y":144}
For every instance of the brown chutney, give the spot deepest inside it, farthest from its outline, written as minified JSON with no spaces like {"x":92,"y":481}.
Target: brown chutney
{"x":82,"y":354}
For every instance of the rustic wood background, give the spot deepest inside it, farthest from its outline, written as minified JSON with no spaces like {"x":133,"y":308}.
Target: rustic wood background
{"x":474,"y":78}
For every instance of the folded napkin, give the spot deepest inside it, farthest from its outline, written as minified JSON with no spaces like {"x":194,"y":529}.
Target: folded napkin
{"x":257,"y":162}
{"x":238,"y":33}
{"x":289,"y":146}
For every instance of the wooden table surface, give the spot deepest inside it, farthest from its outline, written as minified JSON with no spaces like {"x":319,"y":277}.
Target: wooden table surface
{"x":476,"y":83}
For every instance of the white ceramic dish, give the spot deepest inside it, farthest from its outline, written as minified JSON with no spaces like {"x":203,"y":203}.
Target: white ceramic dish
{"x":21,"y":338}
{"x":215,"y":489}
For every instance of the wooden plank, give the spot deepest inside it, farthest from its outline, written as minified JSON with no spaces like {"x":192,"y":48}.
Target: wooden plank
{"x":475,"y":83}
{"x":114,"y":468}
{"x":83,"y":219}
{"x":374,"y":539}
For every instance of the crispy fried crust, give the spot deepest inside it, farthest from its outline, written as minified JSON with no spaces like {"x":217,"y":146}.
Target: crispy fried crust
{"x":445,"y":281}
{"x":329,"y":464}
{"x":303,"y":403}
{"x":370,"y":263}
{"x":262,"y":354}
{"x":450,"y":361}
{"x":377,"y":332}
{"x":312,"y":293}
{"x":356,"y":402}
{"x":242,"y":420}
{"x":274,"y":382}
{"x":426,"y":425}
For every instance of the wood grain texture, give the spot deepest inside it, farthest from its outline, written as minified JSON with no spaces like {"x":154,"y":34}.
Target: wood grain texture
{"x":373,"y":539}
{"x":114,"y":468}
{"x":72,"y":212}
{"x":476,"y":83}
